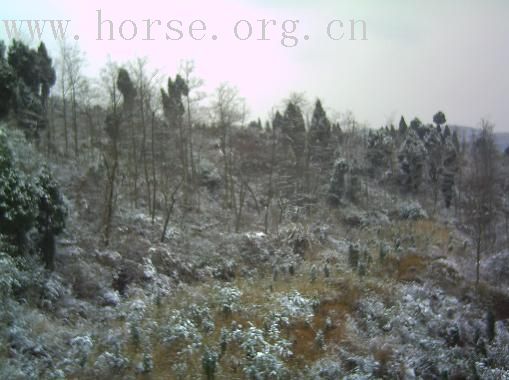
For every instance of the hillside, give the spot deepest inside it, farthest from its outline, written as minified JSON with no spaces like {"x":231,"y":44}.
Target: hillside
{"x":148,"y":234}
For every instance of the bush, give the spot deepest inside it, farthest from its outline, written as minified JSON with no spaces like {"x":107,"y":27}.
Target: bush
{"x":412,"y":211}
{"x":26,"y":204}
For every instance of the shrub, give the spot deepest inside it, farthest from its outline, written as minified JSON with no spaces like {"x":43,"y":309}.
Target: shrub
{"x":26,"y":203}
{"x":412,"y":211}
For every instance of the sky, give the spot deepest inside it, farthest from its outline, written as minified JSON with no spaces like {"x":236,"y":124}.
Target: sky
{"x":418,"y":56}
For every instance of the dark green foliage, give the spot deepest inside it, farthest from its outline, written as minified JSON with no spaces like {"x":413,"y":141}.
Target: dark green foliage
{"x":52,"y":210}
{"x":403,"y":127}
{"x":319,"y":133}
{"x":26,"y":78}
{"x":278,"y":122}
{"x":26,"y":204}
{"x":51,"y":216}
{"x":355,"y":186}
{"x":172,"y":101}
{"x":209,"y":363}
{"x":126,"y":87}
{"x":47,"y":73}
{"x":255,"y":125}
{"x":447,"y":132}
{"x":353,"y":256}
{"x":415,"y":124}
{"x":447,"y":188}
{"x":439,"y":119}
{"x":7,"y":86}
{"x":2,"y":51}
{"x":294,"y":128}
{"x":18,"y":200}
{"x":336,"y":133}
{"x":411,"y":157}
{"x":337,"y":182}
{"x":24,"y":61}
{"x":379,"y":152}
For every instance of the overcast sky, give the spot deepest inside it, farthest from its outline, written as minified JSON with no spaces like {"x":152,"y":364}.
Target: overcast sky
{"x":419,"y":56}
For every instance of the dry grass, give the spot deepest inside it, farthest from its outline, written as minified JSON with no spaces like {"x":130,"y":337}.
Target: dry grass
{"x":337,"y":297}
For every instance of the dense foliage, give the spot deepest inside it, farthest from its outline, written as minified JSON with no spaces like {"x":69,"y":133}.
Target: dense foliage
{"x":26,"y":203}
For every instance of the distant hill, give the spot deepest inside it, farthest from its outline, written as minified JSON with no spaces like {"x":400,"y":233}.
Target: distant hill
{"x":501,"y":138}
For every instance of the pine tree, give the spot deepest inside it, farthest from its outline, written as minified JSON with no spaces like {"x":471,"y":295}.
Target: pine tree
{"x":7,"y":84}
{"x":411,"y":157}
{"x":294,"y":128}
{"x":439,"y":119}
{"x":337,"y":183}
{"x":319,"y":133}
{"x":403,"y":127}
{"x":447,"y":132}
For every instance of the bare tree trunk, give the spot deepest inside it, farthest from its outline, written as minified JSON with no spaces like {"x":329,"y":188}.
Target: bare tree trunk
{"x":154,"y":178}
{"x":271,"y":184}
{"x":507,"y":229}
{"x":238,"y":207}
{"x":170,"y":204}
{"x":144,"y":153}
{"x":134,"y":160}
{"x":182,"y":148}
{"x":190,"y":142}
{"x":64,"y":115}
{"x":110,"y":195}
{"x":49,"y":126}
{"x":478,"y":260}
{"x":74,"y":118}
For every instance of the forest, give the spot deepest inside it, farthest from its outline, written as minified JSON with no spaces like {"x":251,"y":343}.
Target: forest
{"x":152,"y":230}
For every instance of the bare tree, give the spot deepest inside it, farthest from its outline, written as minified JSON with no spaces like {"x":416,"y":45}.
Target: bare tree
{"x":146,"y":87}
{"x":227,"y":108}
{"x":73,"y":61}
{"x":480,"y":191}
{"x":194,"y":96}
{"x":62,"y":84}
{"x":111,"y":150}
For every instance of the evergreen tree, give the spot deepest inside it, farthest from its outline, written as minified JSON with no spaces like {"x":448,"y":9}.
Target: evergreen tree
{"x":337,"y":182}
{"x":411,"y":157}
{"x":278,"y":122}
{"x":439,"y":119}
{"x":51,"y":216}
{"x":27,"y":204}
{"x":403,"y":127}
{"x":33,"y":78}
{"x":447,"y":132}
{"x":47,"y":73}
{"x":48,"y":79}
{"x":126,"y":87}
{"x":294,"y":128}
{"x":434,"y":148}
{"x":417,"y":126}
{"x":380,"y":149}
{"x":24,"y":61}
{"x":319,"y":133}
{"x":455,"y":140}
{"x":7,"y":84}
